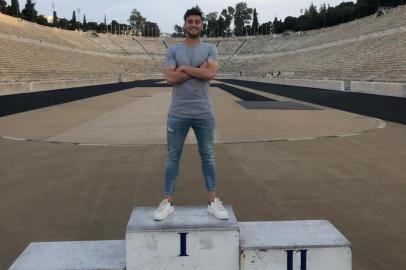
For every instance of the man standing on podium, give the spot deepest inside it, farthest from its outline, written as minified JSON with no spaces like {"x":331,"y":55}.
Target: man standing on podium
{"x":189,"y":67}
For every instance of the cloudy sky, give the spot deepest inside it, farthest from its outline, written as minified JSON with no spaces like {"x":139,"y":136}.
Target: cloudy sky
{"x":167,"y":13}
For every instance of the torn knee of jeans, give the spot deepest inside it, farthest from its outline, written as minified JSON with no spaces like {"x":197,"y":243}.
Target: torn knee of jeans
{"x":170,"y":130}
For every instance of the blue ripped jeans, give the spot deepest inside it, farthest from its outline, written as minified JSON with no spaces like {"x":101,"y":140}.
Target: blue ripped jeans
{"x":177,"y":130}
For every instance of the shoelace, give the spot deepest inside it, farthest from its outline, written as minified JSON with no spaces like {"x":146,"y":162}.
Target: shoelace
{"x":219,"y":204}
{"x":161,"y":205}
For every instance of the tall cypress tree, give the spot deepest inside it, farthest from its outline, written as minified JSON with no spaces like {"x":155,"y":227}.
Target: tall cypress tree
{"x":313,"y":14}
{"x":84,"y":23}
{"x":73,"y":22}
{"x":277,"y":26}
{"x":55,"y":19}
{"x":255,"y":23}
{"x":29,"y":12}
{"x":15,"y":8}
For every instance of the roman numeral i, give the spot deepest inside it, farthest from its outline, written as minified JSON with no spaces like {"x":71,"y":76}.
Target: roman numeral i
{"x":183,"y":244}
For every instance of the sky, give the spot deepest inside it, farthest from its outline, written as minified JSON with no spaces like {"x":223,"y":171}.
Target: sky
{"x":167,"y":13}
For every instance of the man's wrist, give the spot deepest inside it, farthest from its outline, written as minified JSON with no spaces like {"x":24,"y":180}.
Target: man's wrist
{"x":189,"y":69}
{"x":184,"y":68}
{"x":185,"y":72}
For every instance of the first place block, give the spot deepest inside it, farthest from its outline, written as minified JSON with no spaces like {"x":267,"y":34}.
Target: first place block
{"x":189,"y":239}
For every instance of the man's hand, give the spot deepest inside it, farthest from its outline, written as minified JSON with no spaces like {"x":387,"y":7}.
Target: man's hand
{"x":183,"y":68}
{"x":173,"y":76}
{"x":205,"y":64}
{"x":186,"y":68}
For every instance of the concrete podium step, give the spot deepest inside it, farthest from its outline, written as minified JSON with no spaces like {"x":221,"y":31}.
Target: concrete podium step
{"x":192,"y":238}
{"x":189,"y":239}
{"x":78,"y":255}
{"x":293,"y":245}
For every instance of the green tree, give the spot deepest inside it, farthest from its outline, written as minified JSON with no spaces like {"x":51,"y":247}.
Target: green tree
{"x":178,"y":31}
{"x":266,"y":28}
{"x":94,"y":26}
{"x":277,"y":26}
{"x":304,"y":23}
{"x":84,"y":23}
{"x":231,"y":11}
{"x":323,"y":15}
{"x":119,"y":29}
{"x":54,"y":19}
{"x":366,"y":8}
{"x":347,"y":11}
{"x":312,"y":14}
{"x":228,"y":15}
{"x":114,"y":27}
{"x":3,"y":6}
{"x":137,"y":20}
{"x":221,"y":24}
{"x":255,"y":23}
{"x":99,"y":28}
{"x":242,"y":16}
{"x":290,"y":23}
{"x":331,"y":16}
{"x":392,"y":3}
{"x":14,"y":8}
{"x":73,"y":24}
{"x":29,"y":13}
{"x":63,"y":23}
{"x":150,"y":29}
{"x":212,"y":24}
{"x":42,"y":20}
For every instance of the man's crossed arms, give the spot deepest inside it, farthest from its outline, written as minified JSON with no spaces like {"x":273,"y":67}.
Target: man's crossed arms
{"x":206,"y":71}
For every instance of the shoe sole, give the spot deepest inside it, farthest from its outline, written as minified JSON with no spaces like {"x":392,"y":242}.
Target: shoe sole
{"x":170,"y":212}
{"x":211,"y":212}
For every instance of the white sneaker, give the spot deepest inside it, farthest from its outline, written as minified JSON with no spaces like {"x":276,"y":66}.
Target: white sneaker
{"x":164,"y":210}
{"x":217,"y":209}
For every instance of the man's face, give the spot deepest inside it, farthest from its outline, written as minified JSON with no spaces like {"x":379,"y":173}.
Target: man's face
{"x":193,"y":26}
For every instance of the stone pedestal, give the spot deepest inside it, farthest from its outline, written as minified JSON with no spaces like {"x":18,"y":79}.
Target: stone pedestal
{"x":293,"y":245}
{"x":69,"y":255}
{"x":191,"y":238}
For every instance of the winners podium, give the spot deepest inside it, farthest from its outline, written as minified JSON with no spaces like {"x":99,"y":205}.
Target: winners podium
{"x":192,"y":238}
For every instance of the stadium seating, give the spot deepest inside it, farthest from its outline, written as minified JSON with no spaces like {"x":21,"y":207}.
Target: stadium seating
{"x":128,"y":44}
{"x":24,"y":29}
{"x":355,"y":29}
{"x":368,"y":49}
{"x":153,"y":46}
{"x":229,"y":46}
{"x":362,"y":50}
{"x":47,"y":63}
{"x":376,"y":59}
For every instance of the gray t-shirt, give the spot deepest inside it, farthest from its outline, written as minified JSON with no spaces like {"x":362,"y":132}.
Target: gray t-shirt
{"x":191,"y":98}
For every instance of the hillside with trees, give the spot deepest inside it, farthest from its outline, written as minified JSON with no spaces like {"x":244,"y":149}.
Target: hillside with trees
{"x":242,"y":20}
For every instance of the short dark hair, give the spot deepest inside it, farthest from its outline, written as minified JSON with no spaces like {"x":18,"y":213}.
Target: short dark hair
{"x":193,"y":11}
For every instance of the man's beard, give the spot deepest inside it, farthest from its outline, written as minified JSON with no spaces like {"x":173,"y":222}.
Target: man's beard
{"x":193,"y":36}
